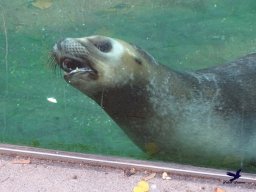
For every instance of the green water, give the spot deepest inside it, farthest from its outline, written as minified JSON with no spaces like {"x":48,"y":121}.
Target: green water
{"x":183,"y":34}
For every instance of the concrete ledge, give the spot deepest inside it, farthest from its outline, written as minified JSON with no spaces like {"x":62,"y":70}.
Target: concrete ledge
{"x":121,"y":163}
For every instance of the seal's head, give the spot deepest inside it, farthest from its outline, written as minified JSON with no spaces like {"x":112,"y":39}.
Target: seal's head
{"x":115,"y":74}
{"x":94,"y":63}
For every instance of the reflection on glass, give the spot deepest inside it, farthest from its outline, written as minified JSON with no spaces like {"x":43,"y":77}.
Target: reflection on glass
{"x":204,"y":116}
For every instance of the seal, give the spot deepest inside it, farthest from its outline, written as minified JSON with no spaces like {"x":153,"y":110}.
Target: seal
{"x":194,"y":115}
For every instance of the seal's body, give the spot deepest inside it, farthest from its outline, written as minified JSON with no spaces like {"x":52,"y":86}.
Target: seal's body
{"x":198,"y":115}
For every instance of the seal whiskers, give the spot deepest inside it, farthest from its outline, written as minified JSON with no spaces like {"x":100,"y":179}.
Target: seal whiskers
{"x":101,"y":100}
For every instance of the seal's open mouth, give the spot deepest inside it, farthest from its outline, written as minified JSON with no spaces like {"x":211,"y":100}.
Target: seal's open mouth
{"x":71,"y":66}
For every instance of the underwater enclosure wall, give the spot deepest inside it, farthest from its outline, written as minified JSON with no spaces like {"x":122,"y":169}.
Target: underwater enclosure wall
{"x":39,"y":108}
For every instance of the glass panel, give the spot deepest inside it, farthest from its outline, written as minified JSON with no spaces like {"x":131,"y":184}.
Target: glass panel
{"x":198,"y":117}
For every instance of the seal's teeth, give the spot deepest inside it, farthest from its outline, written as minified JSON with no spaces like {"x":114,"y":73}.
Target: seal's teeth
{"x":80,"y":70}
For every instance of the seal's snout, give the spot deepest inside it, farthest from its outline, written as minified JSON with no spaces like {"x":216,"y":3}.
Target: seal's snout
{"x":71,"y":47}
{"x":71,"y":55}
{"x":65,"y":43}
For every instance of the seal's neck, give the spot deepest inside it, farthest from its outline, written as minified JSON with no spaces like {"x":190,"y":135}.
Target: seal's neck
{"x":135,"y":99}
{"x":128,"y":106}
{"x":172,"y":83}
{"x":134,"y":105}
{"x":123,"y":102}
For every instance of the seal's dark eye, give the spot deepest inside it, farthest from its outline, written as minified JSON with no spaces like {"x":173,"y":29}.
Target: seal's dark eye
{"x":103,"y":46}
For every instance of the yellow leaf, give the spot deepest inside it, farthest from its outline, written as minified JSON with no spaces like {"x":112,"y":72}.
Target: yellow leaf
{"x":42,"y":4}
{"x":144,"y":185}
{"x":138,"y":189}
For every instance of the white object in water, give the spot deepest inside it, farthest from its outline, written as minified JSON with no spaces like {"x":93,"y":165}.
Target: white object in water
{"x":52,"y":99}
